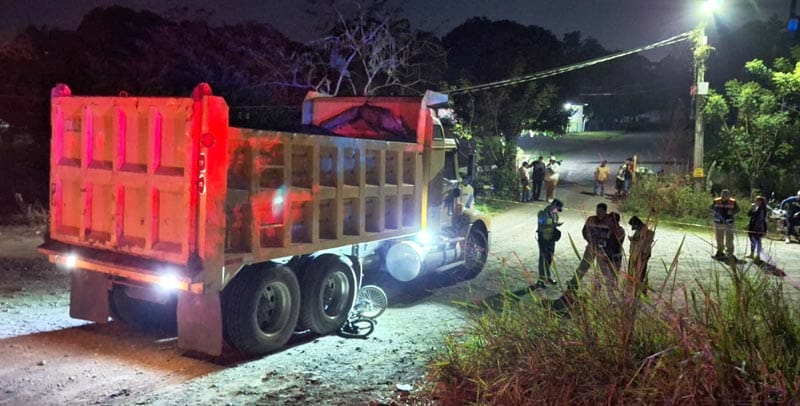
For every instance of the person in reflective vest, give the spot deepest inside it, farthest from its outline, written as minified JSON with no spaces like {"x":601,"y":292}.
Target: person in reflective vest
{"x":724,"y":210}
{"x":547,"y":233}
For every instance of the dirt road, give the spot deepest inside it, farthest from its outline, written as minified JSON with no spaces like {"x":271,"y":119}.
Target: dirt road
{"x":48,"y":358}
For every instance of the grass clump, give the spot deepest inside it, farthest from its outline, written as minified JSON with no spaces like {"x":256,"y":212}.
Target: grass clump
{"x":493,"y":206}
{"x":674,"y":200}
{"x":732,"y":338}
{"x":29,"y":214}
{"x":671,"y":197}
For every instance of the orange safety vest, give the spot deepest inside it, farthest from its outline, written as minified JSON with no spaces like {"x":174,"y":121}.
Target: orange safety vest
{"x":724,"y":210}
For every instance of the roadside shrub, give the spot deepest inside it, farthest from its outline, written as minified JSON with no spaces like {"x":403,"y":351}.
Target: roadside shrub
{"x":669,"y":196}
{"x":32,"y":214}
{"x":730,"y":338}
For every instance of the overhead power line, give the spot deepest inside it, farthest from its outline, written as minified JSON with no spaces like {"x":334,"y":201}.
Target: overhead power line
{"x":569,"y":68}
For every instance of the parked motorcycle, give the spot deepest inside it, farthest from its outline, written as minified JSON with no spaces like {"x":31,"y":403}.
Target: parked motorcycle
{"x":781,"y":221}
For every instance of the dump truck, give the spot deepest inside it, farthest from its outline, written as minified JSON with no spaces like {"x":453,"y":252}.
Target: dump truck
{"x":163,"y":211}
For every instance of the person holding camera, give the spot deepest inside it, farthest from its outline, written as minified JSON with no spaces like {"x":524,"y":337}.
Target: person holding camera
{"x":547,"y":234}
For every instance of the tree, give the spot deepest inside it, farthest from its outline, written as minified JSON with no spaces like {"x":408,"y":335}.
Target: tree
{"x":482,"y":51}
{"x":369,"y":50}
{"x":758,"y":121}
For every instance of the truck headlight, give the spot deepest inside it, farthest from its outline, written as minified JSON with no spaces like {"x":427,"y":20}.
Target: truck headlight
{"x":424,"y":238}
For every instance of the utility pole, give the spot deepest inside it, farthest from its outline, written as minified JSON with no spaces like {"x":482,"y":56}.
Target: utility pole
{"x":701,"y":50}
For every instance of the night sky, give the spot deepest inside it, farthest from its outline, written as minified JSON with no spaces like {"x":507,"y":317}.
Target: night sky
{"x":617,"y":24}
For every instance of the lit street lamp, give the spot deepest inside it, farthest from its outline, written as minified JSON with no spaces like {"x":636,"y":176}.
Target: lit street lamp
{"x":701,"y":50}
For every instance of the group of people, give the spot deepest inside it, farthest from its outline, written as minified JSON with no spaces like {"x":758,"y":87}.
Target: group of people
{"x":724,"y":210}
{"x":604,"y":238}
{"x":532,"y":175}
{"x":622,"y":180}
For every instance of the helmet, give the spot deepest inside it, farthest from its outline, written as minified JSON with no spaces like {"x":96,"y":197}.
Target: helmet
{"x":557,"y":204}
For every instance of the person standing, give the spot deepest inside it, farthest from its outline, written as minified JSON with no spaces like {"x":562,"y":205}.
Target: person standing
{"x":551,"y":177}
{"x":615,"y":239}
{"x":624,"y":177}
{"x":524,"y":182}
{"x":641,"y":250}
{"x":597,"y":230}
{"x":629,"y":168}
{"x":792,"y":206}
{"x":537,"y":177}
{"x":724,"y":210}
{"x":600,"y":176}
{"x":619,"y":180}
{"x":757,"y":227}
{"x":547,"y":233}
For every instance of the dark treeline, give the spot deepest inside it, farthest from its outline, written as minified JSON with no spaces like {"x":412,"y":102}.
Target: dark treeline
{"x":256,"y":68}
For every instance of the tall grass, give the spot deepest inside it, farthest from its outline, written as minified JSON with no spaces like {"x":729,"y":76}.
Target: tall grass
{"x":732,"y":338}
{"x":670,"y":196}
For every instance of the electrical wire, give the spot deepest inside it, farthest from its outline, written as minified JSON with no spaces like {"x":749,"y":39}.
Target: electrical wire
{"x":569,"y":68}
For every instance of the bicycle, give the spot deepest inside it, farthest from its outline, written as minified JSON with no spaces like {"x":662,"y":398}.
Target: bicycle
{"x":371,"y":301}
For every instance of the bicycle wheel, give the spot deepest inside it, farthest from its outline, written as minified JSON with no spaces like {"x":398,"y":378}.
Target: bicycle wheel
{"x":371,"y":301}
{"x":359,"y":328}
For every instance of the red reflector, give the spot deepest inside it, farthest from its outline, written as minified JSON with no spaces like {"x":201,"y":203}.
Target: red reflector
{"x":207,"y":140}
{"x":201,"y":185}
{"x":201,"y":162}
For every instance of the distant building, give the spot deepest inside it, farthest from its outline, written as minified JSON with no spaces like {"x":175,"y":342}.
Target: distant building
{"x":577,"y":121}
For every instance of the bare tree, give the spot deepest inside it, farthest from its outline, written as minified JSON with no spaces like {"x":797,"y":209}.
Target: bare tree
{"x":369,"y":49}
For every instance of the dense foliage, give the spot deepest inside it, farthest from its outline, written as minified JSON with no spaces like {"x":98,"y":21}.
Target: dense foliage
{"x":759,"y":127}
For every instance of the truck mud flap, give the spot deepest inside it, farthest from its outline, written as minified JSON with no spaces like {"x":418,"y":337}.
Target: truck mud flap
{"x":200,"y":323}
{"x":88,"y":298}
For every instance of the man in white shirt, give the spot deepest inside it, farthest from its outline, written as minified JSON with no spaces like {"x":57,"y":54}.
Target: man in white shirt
{"x":551,"y":178}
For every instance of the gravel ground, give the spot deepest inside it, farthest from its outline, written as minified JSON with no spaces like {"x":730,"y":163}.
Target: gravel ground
{"x":49,"y":358}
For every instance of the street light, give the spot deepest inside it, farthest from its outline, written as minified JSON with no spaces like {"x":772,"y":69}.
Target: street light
{"x":701,"y":50}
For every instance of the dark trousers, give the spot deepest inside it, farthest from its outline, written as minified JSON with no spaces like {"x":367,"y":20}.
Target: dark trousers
{"x":546,"y":251}
{"x":791,"y":222}
{"x":537,"y":189}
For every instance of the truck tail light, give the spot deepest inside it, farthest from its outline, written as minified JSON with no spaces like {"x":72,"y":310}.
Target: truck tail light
{"x":71,"y":261}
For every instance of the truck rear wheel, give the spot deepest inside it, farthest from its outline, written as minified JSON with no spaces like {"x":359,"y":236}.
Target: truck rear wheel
{"x":329,"y":289}
{"x":260,"y":308}
{"x":143,"y":314}
{"x":476,"y":254}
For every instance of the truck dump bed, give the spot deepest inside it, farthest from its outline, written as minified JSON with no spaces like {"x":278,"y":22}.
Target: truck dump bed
{"x":167,"y":179}
{"x":120,"y":175}
{"x":298,"y":193}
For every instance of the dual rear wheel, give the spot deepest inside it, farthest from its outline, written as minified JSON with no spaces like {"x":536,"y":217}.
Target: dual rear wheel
{"x":262,"y":306}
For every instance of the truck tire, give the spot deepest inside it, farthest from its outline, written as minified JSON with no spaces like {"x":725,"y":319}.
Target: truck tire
{"x":476,"y":254}
{"x":142,"y":314}
{"x":329,"y":290}
{"x":260,"y":308}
